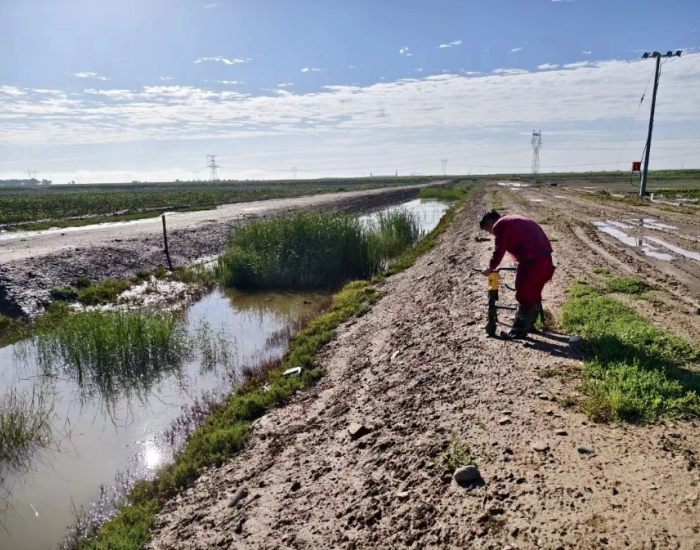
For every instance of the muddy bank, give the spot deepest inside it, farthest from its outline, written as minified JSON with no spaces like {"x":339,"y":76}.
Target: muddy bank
{"x":419,"y":371}
{"x":25,"y":283}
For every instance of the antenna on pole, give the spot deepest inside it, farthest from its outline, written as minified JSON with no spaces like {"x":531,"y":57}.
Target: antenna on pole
{"x":444,"y":166}
{"x":211,"y":164}
{"x":294,"y":172}
{"x":536,"y":146}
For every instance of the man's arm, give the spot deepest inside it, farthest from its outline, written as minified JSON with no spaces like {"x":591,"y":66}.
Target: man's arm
{"x":498,"y":252}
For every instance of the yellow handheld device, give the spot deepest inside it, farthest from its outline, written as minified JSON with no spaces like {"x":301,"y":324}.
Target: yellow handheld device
{"x":493,"y":280}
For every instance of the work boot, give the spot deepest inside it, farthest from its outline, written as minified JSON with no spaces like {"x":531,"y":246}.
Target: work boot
{"x":531,"y":318}
{"x":519,"y":329}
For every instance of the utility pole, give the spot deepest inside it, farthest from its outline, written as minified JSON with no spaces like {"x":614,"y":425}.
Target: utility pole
{"x":657,"y":56}
{"x":211,"y":164}
{"x":536,"y":146}
{"x":196,"y":175}
{"x":294,"y":172}
{"x":444,"y":166}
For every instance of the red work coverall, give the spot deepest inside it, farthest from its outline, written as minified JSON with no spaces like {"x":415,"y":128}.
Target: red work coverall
{"x":527,"y":243}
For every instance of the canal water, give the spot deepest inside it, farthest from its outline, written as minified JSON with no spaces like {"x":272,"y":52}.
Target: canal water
{"x":105,"y":430}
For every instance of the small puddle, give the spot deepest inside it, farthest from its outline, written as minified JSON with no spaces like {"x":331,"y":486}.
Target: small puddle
{"x":611,"y":228}
{"x":680,"y":251}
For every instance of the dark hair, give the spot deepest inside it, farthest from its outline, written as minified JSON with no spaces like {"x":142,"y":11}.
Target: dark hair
{"x":489,"y":218}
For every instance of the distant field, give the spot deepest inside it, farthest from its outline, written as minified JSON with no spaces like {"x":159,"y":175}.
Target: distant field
{"x":23,"y":204}
{"x":131,"y":201}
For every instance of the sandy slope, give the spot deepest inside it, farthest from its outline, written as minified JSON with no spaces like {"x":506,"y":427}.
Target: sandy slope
{"x":416,"y":370}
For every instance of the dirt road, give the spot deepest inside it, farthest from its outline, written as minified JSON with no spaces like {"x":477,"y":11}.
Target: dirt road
{"x":32,"y":264}
{"x":419,"y":371}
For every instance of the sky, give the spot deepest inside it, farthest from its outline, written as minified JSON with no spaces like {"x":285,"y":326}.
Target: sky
{"x":121,"y":90}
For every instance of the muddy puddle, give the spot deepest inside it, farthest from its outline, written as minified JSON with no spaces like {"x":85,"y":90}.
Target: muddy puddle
{"x":631,"y":233}
{"x":105,"y":427}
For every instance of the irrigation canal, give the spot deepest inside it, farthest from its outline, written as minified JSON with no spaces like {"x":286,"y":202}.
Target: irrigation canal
{"x":112,"y":433}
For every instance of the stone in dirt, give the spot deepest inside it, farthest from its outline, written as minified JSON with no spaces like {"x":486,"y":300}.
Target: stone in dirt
{"x":296,"y":371}
{"x":506,"y":413}
{"x":466,"y":474}
{"x":539,"y":446}
{"x":561,"y":432}
{"x":238,"y":497}
{"x":403,"y":495}
{"x":504,"y":420}
{"x":584,"y":450}
{"x":575,"y":339}
{"x":357,"y":430}
{"x":295,"y":486}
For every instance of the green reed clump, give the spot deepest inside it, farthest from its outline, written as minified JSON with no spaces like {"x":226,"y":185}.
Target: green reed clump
{"x":115,"y":352}
{"x":447,"y":193}
{"x":314,"y":250}
{"x":104,"y":292}
{"x":25,"y":427}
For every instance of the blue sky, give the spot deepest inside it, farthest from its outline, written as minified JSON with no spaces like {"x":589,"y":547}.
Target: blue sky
{"x":102,"y":91}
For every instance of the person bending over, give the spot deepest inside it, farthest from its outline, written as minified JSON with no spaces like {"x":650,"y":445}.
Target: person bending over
{"x":529,"y":246}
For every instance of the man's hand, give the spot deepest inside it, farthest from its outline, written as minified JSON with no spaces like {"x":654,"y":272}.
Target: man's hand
{"x":486,"y":272}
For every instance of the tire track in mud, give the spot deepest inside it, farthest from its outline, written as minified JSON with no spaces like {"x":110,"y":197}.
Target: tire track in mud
{"x":419,"y":370}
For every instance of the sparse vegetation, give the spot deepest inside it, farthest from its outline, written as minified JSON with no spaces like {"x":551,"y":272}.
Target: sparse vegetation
{"x":634,"y":370}
{"x":456,"y":455}
{"x":602,"y":271}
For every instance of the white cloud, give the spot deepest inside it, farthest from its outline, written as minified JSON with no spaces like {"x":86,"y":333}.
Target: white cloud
{"x":514,"y":50}
{"x":166,"y":78}
{"x":577,"y":65}
{"x":310,"y":69}
{"x":404,"y":50}
{"x":91,"y":75}
{"x":351,"y":67}
{"x":597,"y":93}
{"x":224,"y":60}
{"x":419,"y":70}
{"x":451,"y":44}
{"x":587,"y":52}
{"x":229,"y":82}
{"x":510,"y":72}
{"x":285,"y":85}
{"x":547,"y":67}
{"x":213,"y":5}
{"x":470,"y":73}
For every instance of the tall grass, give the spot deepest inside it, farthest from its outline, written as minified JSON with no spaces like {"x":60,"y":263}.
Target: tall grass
{"x":114,"y":352}
{"x":307,"y":250}
{"x":634,"y":370}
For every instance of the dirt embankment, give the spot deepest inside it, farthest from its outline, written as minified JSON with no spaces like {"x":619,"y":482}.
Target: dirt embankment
{"x":419,"y":371}
{"x":31,"y":267}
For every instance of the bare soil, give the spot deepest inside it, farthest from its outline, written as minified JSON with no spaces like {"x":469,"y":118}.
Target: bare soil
{"x":418,"y":371}
{"x":31,"y":265}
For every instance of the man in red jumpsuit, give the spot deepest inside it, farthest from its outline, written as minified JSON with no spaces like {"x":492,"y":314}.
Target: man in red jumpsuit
{"x":528,"y":245}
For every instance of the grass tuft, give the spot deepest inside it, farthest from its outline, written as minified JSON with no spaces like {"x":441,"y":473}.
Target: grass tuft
{"x":581,"y":289}
{"x":634,"y":371}
{"x":456,"y":455}
{"x":627,"y":285}
{"x":64,"y":293}
{"x":104,"y":292}
{"x":602,"y":271}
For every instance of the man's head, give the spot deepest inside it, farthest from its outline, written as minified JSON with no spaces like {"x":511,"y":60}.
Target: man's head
{"x":489,"y":219}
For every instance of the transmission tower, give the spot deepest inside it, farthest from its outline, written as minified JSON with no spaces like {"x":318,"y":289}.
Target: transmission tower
{"x":294,"y":172}
{"x":444,"y":166}
{"x":30,"y":172}
{"x":536,"y":146}
{"x":196,"y":175}
{"x":211,"y":164}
